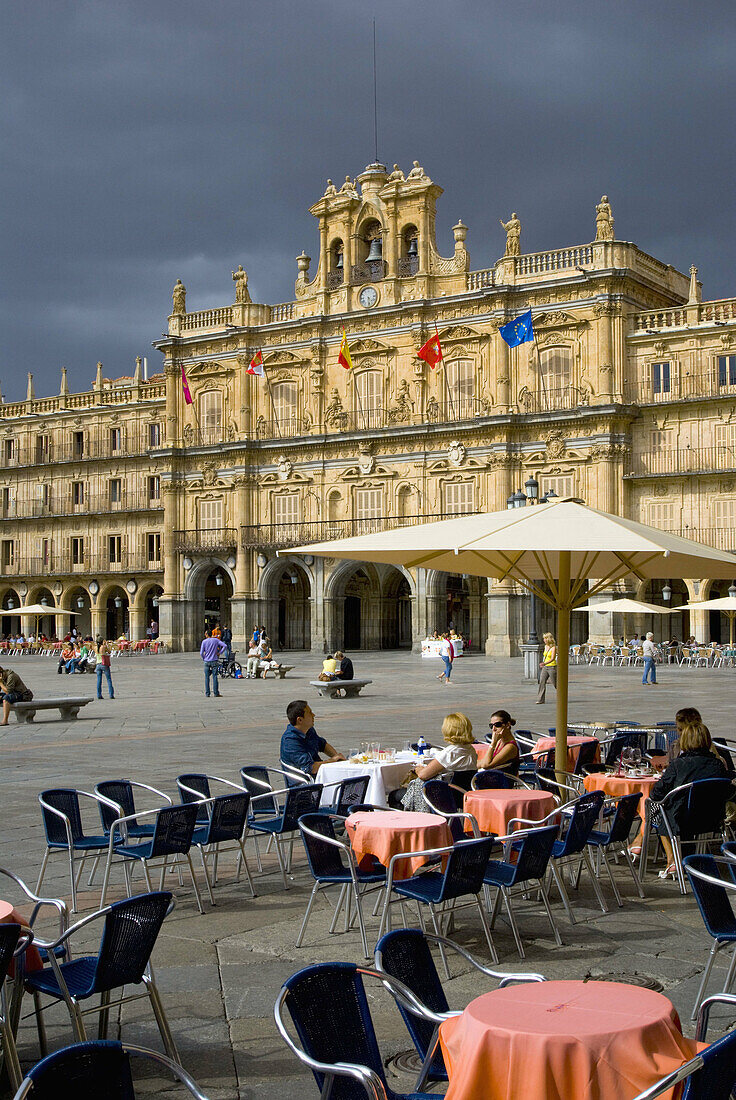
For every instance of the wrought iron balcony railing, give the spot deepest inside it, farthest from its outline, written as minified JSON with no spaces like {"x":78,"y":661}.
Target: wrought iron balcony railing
{"x":717,"y":459}
{"x":197,"y":542}
{"x":277,"y":536}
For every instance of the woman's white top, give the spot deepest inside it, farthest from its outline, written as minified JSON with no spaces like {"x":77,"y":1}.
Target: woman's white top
{"x":444,"y":648}
{"x":457,"y":758}
{"x":649,"y":649}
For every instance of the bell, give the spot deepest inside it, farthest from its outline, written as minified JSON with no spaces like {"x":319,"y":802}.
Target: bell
{"x":412,"y":250}
{"x":374,"y":252}
{"x":338,"y":263}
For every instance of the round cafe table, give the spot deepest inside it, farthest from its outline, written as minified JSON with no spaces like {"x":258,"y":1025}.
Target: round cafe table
{"x":544,"y":744}
{"x":384,"y":833}
{"x":493,"y":809}
{"x":571,"y":1040}
{"x":613,"y":786}
{"x":10,"y":915}
{"x":384,"y":776}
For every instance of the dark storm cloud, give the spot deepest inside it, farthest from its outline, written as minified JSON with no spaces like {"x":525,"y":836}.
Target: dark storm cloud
{"x":148,"y":141}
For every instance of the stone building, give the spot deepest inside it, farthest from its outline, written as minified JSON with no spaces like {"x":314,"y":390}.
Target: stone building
{"x":126,"y":503}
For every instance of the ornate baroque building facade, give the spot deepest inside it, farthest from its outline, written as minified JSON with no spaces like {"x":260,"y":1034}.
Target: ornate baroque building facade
{"x":125,"y":503}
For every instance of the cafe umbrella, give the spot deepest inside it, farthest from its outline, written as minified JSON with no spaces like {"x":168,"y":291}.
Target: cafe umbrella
{"x":626,"y":606}
{"x":726,"y":604}
{"x":563,"y":543}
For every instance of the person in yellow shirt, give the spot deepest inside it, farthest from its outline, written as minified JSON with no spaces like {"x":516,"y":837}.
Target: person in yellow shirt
{"x":548,"y":666}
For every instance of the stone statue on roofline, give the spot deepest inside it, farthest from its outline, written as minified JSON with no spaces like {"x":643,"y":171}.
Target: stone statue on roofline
{"x":179,"y":297}
{"x":513,"y":235}
{"x":603,"y":220}
{"x":240,"y":278}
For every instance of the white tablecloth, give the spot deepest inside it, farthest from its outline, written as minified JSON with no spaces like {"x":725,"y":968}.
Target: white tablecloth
{"x":383,"y":777}
{"x":431,"y":648}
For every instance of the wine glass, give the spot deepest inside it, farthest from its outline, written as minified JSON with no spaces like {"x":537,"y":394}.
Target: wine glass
{"x":636,"y":756}
{"x":626,"y":757}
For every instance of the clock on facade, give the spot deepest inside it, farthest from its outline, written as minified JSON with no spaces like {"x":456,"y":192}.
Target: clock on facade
{"x":368,"y":297}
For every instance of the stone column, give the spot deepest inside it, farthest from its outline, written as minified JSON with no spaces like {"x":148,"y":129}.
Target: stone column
{"x":168,"y":629}
{"x":137,"y":622}
{"x":98,"y":616}
{"x":501,"y":640}
{"x":605,"y":312}
{"x":172,"y":374}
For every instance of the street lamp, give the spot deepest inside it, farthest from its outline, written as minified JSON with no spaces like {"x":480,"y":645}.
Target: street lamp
{"x":520,"y":500}
{"x":732,"y":590}
{"x":667,"y":593}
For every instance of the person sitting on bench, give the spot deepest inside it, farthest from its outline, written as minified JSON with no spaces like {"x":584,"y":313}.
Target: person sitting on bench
{"x":12,"y":690}
{"x":344,"y":671}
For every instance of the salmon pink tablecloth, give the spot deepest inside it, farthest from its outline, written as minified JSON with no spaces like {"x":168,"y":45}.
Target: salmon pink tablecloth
{"x":493,"y":809}
{"x":616,"y":785}
{"x":9,"y":915}
{"x":577,"y":1040}
{"x":544,"y":744}
{"x":383,"y":834}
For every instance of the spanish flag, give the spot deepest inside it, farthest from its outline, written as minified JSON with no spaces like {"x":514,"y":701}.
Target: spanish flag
{"x":344,"y":357}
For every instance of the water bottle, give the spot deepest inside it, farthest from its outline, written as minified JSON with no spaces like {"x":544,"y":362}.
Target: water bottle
{"x":421,"y":746}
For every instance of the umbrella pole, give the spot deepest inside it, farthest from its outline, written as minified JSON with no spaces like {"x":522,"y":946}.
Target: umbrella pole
{"x":730,"y":626}
{"x":563,"y":662}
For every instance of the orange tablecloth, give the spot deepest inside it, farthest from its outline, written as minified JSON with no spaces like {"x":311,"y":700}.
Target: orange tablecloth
{"x":577,"y":1040}
{"x":494,"y":809}
{"x":384,"y":834}
{"x":616,"y":785}
{"x":544,"y":744}
{"x":9,"y":915}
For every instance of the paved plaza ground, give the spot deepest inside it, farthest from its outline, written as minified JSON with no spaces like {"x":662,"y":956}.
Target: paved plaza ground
{"x":220,"y":973}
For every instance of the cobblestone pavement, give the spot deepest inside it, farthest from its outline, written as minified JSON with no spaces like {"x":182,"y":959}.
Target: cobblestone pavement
{"x":220,"y":973}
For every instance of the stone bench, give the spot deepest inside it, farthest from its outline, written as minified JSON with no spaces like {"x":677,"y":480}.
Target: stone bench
{"x":68,"y":707}
{"x":352,"y":688}
{"x":262,"y":673}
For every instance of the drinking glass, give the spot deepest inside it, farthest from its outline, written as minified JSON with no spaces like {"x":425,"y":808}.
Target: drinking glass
{"x":406,"y":747}
{"x":626,"y":757}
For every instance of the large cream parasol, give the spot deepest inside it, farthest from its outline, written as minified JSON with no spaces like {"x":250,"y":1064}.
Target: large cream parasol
{"x":625,"y":606}
{"x":562,"y":542}
{"x":38,"y":610}
{"x":727,"y":604}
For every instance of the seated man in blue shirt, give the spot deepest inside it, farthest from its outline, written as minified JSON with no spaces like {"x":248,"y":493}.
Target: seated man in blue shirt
{"x":300,"y":745}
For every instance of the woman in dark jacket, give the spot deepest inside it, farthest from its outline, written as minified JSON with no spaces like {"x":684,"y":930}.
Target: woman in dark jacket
{"x":695,"y":761}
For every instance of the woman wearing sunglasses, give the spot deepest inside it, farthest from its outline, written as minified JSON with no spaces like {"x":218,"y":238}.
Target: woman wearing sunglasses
{"x":503,"y":752}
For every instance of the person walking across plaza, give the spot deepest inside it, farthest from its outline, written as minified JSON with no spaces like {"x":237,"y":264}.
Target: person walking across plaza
{"x":650,"y":653}
{"x":547,"y":667}
{"x":447,"y":653}
{"x":210,"y":650}
{"x":102,"y":667}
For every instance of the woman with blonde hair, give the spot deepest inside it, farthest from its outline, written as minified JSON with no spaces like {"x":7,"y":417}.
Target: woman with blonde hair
{"x":548,"y":666}
{"x":458,"y":755}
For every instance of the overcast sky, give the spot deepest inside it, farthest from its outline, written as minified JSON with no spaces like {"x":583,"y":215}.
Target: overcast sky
{"x":145,"y":140}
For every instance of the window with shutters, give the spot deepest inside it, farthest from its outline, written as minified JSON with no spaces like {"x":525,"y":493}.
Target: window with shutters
{"x":461,"y":384}
{"x":725,"y":444}
{"x":459,"y":497}
{"x":77,"y":494}
{"x":369,"y":503}
{"x":78,"y":444}
{"x":10,"y":450}
{"x":210,"y":416}
{"x":46,"y":552}
{"x":77,"y":549}
{"x":154,"y":435}
{"x":661,"y":515}
{"x":726,"y":371}
{"x":210,"y":515}
{"x":154,"y":487}
{"x":661,"y":378}
{"x":116,"y":439}
{"x":660,"y":440}
{"x":43,"y":448}
{"x":555,"y":369}
{"x":285,"y":509}
{"x":153,"y":546}
{"x":115,"y":549}
{"x":8,"y":552}
{"x":563,"y":486}
{"x":724,"y":513}
{"x":45,"y":498}
{"x":369,"y":399}
{"x":8,"y":502}
{"x":115,"y":489}
{"x":285,"y":404}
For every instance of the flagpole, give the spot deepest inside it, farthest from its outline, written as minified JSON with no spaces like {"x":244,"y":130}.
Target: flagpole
{"x":273,"y":405}
{"x":541,"y":374}
{"x":358,"y":399}
{"x":444,"y":372}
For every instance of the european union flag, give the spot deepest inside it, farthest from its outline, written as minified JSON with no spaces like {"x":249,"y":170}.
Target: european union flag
{"x":519,"y":330}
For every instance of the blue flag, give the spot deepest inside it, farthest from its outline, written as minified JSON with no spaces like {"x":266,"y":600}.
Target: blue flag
{"x":519,"y":330}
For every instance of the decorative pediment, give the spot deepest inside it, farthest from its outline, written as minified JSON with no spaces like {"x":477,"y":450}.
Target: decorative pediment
{"x":461,"y":332}
{"x":557,"y":318}
{"x":281,"y":358}
{"x":355,"y":472}
{"x":367,"y":346}
{"x":203,"y":370}
{"x":294,"y":478}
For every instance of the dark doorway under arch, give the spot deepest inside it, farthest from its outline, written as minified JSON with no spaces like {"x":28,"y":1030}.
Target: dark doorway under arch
{"x":351,"y":622}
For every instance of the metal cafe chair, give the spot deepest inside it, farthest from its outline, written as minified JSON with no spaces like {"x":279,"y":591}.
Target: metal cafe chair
{"x":625,"y":811}
{"x":172,"y":838}
{"x":62,"y":822}
{"x":715,"y":896}
{"x":129,"y":935}
{"x":13,"y":942}
{"x":333,"y":864}
{"x":704,"y":821}
{"x":222,"y":820}
{"x":337,"y":1040}
{"x":405,"y":954}
{"x":526,"y":858}
{"x":88,"y":1071}
{"x":710,"y":1075}
{"x":299,"y":800}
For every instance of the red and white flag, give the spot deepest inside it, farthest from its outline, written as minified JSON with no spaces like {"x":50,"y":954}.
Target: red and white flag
{"x":185,"y":386}
{"x":256,"y":364}
{"x":431,"y":352}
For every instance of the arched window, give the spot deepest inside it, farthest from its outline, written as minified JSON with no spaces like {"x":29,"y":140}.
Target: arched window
{"x":334,"y":507}
{"x":336,"y":270}
{"x":285,"y":407}
{"x":370,"y":266}
{"x":210,"y":416}
{"x":461,"y":384}
{"x":409,"y":259}
{"x":555,"y":370}
{"x":406,"y":501}
{"x":369,"y":399}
